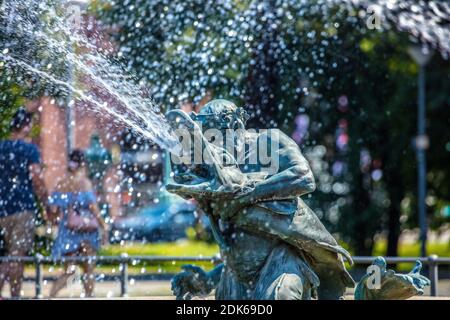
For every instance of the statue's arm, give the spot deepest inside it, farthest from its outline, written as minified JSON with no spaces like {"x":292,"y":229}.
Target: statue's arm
{"x":194,"y":281}
{"x":294,"y":181}
{"x":294,"y":178}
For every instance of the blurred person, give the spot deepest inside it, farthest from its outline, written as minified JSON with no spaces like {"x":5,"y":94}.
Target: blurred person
{"x":112,"y":192}
{"x":20,"y":182}
{"x":74,"y":207}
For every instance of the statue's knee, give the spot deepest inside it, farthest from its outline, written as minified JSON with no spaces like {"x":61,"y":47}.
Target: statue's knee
{"x":290,"y":287}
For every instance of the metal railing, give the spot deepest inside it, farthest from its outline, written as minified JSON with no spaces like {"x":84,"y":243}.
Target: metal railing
{"x":123,"y":261}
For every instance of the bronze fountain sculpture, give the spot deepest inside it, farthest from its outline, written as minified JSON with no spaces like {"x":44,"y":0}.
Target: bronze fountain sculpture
{"x":272,"y":244}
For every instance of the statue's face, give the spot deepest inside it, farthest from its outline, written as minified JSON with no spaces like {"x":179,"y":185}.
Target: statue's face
{"x":222,"y":120}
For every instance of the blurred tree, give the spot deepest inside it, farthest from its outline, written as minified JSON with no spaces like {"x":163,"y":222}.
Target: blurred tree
{"x":10,"y":101}
{"x":20,"y":28}
{"x":11,"y":82}
{"x":353,"y":87}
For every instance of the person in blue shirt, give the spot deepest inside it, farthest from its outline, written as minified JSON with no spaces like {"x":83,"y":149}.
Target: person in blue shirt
{"x":81,"y":227}
{"x":20,"y":183}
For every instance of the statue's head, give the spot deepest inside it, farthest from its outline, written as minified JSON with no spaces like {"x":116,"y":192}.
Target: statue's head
{"x":221,"y":114}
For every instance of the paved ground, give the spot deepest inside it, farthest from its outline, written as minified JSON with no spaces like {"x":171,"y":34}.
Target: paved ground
{"x":107,"y":289}
{"x":155,"y":289}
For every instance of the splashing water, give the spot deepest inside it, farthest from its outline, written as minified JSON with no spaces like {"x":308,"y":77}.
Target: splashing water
{"x":427,"y":21}
{"x":115,"y":92}
{"x":112,"y":90}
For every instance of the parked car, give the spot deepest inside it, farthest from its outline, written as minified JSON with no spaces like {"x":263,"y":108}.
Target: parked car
{"x":166,"y":220}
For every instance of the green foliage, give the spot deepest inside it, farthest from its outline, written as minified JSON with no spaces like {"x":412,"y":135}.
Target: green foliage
{"x":181,"y":248}
{"x":316,"y":54}
{"x":281,"y":60}
{"x":19,"y":39}
{"x":10,"y":100}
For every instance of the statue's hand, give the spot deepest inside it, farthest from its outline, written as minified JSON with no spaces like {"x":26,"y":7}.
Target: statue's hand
{"x":227,"y":208}
{"x":235,"y":202}
{"x":190,"y":190}
{"x":206,"y":190}
{"x":193,"y":281}
{"x":392,"y":285}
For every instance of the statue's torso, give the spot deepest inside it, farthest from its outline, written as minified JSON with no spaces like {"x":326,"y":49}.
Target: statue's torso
{"x":247,"y":251}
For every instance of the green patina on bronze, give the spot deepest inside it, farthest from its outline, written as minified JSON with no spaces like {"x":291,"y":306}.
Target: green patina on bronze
{"x":272,"y":244}
{"x":391,"y":285}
